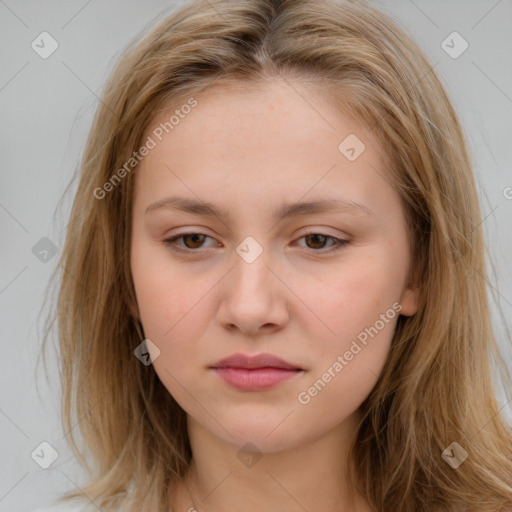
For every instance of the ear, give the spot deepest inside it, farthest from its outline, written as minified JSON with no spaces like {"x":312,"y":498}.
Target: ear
{"x":410,"y":300}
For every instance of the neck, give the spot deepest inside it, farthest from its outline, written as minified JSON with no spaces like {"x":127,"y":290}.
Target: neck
{"x":310,"y":476}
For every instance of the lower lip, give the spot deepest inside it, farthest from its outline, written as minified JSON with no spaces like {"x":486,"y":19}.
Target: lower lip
{"x":255,"y":379}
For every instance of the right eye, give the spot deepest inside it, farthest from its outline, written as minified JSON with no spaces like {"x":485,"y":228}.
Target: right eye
{"x":192,"y":240}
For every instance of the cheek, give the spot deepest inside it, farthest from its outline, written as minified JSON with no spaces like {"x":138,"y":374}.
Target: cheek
{"x":165,"y":295}
{"x":348,"y":358}
{"x":358,"y":308}
{"x":353,"y":295}
{"x":171,"y":314}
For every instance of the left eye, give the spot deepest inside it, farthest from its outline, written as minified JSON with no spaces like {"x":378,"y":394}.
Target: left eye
{"x":318,"y":238}
{"x":195,"y":241}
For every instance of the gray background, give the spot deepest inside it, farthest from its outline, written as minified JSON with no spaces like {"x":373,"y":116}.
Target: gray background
{"x":47,"y":107}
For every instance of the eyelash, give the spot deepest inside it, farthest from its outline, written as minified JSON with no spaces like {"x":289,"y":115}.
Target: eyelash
{"x":339,"y":243}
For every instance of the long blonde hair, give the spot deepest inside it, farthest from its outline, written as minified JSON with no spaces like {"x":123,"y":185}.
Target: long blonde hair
{"x":436,"y":387}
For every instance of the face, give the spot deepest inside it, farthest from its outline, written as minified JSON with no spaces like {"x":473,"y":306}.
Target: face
{"x":320,"y":288}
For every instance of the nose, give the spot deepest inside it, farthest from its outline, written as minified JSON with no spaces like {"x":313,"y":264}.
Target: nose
{"x":254,"y":297}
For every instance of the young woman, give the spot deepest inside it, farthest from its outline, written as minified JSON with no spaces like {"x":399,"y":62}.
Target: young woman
{"x":273,"y":293}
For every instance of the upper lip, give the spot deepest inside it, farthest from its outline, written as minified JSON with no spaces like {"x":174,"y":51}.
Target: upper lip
{"x":256,"y":361}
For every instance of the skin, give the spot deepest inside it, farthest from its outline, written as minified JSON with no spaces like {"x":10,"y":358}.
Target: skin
{"x":249,"y":151}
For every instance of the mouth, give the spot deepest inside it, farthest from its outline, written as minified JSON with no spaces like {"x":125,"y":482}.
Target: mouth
{"x":255,"y":373}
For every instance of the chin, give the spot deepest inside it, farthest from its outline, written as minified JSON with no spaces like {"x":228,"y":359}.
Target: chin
{"x":261,"y":434}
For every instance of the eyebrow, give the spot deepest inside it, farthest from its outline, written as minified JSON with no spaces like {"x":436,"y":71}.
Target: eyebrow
{"x":283,"y":211}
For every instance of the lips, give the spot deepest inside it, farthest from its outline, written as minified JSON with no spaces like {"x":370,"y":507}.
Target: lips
{"x":255,"y":373}
{"x":254,"y":362}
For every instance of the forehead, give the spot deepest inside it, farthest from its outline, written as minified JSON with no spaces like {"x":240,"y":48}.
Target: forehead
{"x":281,"y":138}
{"x":279,"y":113}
